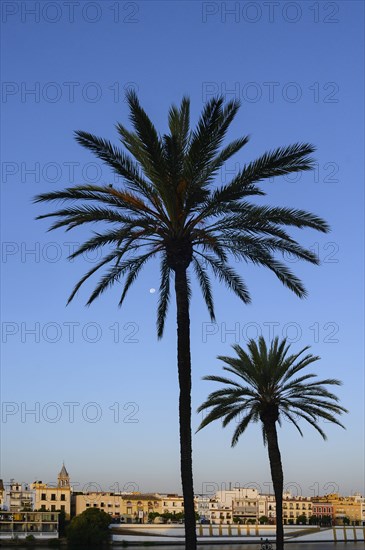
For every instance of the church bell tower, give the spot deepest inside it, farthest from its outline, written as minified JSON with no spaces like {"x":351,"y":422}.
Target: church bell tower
{"x":63,"y":477}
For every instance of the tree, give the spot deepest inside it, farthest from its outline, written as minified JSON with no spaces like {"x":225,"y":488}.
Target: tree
{"x":326,"y":520}
{"x":264,"y":520}
{"x":168,"y":207}
{"x":152,"y":516}
{"x":313,"y":520}
{"x":270,"y":388}
{"x":90,"y":529}
{"x":302,"y":520}
{"x":237,"y":519}
{"x":62,"y":523}
{"x":167,"y":516}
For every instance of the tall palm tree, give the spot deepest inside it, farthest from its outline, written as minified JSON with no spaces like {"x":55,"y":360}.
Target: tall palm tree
{"x":168,"y":206}
{"x":271,"y":387}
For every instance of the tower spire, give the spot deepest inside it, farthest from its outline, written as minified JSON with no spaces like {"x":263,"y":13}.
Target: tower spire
{"x":63,"y":477}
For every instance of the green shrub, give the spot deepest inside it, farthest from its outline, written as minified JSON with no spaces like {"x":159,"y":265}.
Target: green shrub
{"x":88,"y":530}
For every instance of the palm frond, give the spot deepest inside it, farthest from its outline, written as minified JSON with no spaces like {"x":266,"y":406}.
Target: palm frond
{"x":148,"y":136}
{"x":73,"y":217}
{"x":228,"y":276}
{"x":121,"y":163}
{"x":205,"y":287}
{"x":164,"y":296}
{"x":110,"y":257}
{"x":179,"y":123}
{"x":242,"y":427}
{"x":281,"y":161}
{"x":134,"y":267}
{"x":208,"y":136}
{"x":115,"y":238}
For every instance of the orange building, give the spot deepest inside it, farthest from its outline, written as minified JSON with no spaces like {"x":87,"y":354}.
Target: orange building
{"x":345,"y":509}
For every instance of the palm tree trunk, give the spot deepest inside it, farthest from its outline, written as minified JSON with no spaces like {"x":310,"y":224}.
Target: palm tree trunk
{"x":184,"y":369}
{"x":277,"y":479}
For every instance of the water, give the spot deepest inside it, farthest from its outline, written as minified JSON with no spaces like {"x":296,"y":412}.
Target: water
{"x":289,"y":546}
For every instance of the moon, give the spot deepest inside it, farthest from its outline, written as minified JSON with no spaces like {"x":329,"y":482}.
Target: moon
{"x":152,"y":290}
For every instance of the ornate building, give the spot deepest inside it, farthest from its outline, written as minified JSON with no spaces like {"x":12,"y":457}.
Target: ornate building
{"x":49,"y":497}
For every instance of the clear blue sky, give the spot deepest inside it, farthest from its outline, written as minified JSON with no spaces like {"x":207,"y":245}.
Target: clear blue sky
{"x":298,"y":69}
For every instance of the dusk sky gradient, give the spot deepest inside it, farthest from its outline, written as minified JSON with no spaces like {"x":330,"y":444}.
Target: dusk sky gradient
{"x":298,"y":69}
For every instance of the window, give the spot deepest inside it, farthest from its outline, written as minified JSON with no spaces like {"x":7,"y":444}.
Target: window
{"x":53,"y":496}
{"x":43,"y":496}
{"x":129,"y":510}
{"x":102,"y":504}
{"x":53,"y":508}
{"x":87,"y":505}
{"x":63,"y":497}
{"x":62,"y":507}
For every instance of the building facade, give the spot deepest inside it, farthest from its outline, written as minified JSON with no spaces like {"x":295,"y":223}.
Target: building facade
{"x":296,"y":508}
{"x":127,"y":508}
{"x":22,"y":524}
{"x":2,"y":494}
{"x":54,"y":498}
{"x":323,"y":512}
{"x":17,"y":497}
{"x":345,"y":509}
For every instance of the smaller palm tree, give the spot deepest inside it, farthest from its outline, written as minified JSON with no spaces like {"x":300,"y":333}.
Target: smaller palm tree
{"x":270,"y":388}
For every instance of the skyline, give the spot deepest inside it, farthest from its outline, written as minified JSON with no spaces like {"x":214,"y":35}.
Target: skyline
{"x":207,"y":488}
{"x":299,"y":77}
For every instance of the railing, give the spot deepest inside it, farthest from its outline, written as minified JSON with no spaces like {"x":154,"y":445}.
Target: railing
{"x":257,"y":533}
{"x":265,"y":544}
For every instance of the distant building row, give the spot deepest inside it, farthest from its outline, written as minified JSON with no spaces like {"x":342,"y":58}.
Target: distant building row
{"x":238,"y":505}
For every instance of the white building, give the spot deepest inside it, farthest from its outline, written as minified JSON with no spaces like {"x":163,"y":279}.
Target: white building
{"x":18,"y":497}
{"x":202,"y":506}
{"x":219,"y":513}
{"x":237,"y":494}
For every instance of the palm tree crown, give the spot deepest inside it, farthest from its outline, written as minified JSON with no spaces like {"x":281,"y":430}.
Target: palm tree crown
{"x":168,"y":207}
{"x":271,"y":387}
